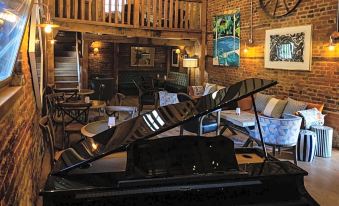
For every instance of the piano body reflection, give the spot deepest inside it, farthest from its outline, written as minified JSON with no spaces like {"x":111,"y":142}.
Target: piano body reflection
{"x":130,"y":165}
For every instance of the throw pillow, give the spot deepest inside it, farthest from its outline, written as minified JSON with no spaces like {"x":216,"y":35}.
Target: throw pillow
{"x":275,"y":107}
{"x":245,"y":104}
{"x":166,"y":98}
{"x":293,"y":106}
{"x":312,"y":117}
{"x":261,"y":101}
{"x":319,"y":107}
{"x":198,"y":90}
{"x":210,"y":88}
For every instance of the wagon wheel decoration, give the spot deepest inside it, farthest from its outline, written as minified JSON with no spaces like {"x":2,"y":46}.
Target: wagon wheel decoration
{"x":278,"y":8}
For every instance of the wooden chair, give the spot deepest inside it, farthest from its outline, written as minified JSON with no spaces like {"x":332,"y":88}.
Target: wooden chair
{"x":74,"y":117}
{"x":69,"y":155}
{"x":146,"y":96}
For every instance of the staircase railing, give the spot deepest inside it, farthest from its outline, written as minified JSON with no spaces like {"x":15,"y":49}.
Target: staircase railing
{"x":146,"y":14}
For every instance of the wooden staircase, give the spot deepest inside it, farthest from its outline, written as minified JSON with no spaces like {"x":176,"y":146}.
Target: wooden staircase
{"x":65,"y":59}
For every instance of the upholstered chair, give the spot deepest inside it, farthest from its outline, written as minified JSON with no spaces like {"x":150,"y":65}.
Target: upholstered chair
{"x":282,"y":132}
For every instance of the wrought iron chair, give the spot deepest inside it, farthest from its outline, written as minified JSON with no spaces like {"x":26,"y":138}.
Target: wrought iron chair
{"x":69,"y":155}
{"x":74,"y":117}
{"x":278,"y":132}
{"x":205,"y":124}
{"x":146,"y":96}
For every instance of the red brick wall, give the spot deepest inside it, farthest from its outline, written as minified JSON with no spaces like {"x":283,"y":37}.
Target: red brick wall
{"x":20,"y":146}
{"x":103,"y":62}
{"x":320,"y":85}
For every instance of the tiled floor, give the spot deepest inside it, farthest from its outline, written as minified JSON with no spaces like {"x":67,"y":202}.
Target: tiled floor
{"x":322,"y":182}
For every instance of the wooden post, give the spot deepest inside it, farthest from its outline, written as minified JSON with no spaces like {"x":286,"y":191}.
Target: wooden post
{"x":203,"y":40}
{"x":116,"y":63}
{"x":136,"y":12}
{"x":84,"y":68}
{"x":50,"y":59}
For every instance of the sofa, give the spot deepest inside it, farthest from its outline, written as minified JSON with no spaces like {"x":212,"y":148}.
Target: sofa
{"x":177,"y":82}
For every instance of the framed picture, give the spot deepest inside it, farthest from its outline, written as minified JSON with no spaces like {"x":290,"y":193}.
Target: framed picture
{"x":13,"y":18}
{"x":226,"y":39}
{"x":289,"y":48}
{"x":142,"y":56}
{"x":175,"y":58}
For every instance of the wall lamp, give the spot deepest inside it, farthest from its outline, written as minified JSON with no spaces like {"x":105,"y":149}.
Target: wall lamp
{"x":48,"y":24}
{"x":96,"y":50}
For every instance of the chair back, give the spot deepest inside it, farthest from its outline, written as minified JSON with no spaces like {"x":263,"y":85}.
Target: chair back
{"x":48,"y":134}
{"x":280,"y":132}
{"x":52,"y":104}
{"x":74,"y":112}
{"x":182,"y":97}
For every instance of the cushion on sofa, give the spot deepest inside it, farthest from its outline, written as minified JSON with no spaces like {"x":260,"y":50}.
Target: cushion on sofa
{"x":209,"y":88}
{"x":275,"y":107}
{"x":312,"y":117}
{"x":196,"y":90}
{"x":319,"y":107}
{"x":166,"y":98}
{"x":261,"y":101}
{"x":293,"y":106}
{"x":245,"y":104}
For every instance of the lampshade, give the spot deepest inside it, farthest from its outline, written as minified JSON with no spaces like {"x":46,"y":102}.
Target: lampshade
{"x":190,"y":62}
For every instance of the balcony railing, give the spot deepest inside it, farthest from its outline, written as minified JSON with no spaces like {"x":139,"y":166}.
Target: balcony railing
{"x":172,"y":15}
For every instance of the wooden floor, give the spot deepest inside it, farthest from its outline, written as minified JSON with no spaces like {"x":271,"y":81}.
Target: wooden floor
{"x":322,"y":182}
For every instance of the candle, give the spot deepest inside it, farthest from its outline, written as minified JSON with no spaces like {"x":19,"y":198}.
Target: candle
{"x":87,"y":99}
{"x":237,"y":111}
{"x":111,"y":121}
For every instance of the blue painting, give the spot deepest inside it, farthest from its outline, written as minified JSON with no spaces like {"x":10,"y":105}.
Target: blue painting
{"x":226,"y":39}
{"x":13,"y":18}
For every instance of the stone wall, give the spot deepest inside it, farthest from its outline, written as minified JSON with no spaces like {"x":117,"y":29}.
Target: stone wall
{"x":320,"y":85}
{"x":21,"y":145}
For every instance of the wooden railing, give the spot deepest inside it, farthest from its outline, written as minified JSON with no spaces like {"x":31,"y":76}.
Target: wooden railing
{"x":147,"y":14}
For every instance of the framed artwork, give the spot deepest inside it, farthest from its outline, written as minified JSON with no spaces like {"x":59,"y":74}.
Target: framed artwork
{"x":226,"y":39}
{"x":13,"y":19}
{"x":175,"y":58}
{"x":289,"y":48}
{"x":142,"y":56}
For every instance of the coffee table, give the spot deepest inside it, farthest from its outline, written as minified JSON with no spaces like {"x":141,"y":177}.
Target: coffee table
{"x":232,"y":122}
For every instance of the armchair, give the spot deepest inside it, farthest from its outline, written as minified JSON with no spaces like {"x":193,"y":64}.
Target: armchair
{"x":278,"y":132}
{"x":205,"y":124}
{"x":146,"y":96}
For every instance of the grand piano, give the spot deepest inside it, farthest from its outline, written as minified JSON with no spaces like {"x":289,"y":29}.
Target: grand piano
{"x":133,"y":164}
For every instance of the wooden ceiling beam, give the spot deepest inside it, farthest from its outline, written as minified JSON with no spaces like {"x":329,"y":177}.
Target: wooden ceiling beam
{"x":137,"y":40}
{"x":104,"y":28}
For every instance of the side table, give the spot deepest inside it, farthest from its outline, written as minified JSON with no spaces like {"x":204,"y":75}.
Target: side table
{"x":307,"y":144}
{"x":324,"y":138}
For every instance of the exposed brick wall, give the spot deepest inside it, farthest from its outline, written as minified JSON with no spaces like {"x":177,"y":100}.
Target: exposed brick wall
{"x":20,"y":145}
{"x":320,"y":85}
{"x":103,"y":62}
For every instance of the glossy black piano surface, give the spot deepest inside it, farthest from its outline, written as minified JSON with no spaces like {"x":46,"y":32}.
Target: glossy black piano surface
{"x":129,"y":165}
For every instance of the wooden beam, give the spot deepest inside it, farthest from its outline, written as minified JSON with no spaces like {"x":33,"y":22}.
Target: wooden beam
{"x":106,"y":28}
{"x":154,"y":41}
{"x":203,"y":20}
{"x":136,"y":12}
{"x":84,"y":68}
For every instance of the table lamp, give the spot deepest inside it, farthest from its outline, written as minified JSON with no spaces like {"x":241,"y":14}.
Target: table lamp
{"x":190,"y":63}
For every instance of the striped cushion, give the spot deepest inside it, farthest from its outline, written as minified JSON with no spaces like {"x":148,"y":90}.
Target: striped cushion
{"x":261,"y":101}
{"x":275,"y":107}
{"x":293,"y":106}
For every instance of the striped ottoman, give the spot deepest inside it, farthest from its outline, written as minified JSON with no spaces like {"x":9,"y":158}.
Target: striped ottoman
{"x":306,"y":147}
{"x":324,"y":138}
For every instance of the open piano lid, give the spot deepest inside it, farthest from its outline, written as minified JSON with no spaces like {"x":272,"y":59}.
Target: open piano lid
{"x":155,"y":122}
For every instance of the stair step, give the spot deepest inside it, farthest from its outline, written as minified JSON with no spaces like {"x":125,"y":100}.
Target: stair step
{"x":65,"y":54}
{"x":65,"y":59}
{"x":66,"y":78}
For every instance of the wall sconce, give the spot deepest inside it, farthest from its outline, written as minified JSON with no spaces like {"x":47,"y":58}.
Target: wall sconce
{"x":331,"y":45}
{"x":180,"y":53}
{"x":96,"y":50}
{"x":53,"y":41}
{"x":48,"y":24}
{"x":245,"y":49}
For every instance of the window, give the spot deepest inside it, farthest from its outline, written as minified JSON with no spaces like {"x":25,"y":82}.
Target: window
{"x":119,"y":6}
